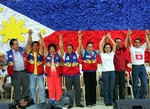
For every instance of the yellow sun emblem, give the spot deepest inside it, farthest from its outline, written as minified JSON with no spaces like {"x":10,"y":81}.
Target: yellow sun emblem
{"x":43,"y":31}
{"x":13,"y":29}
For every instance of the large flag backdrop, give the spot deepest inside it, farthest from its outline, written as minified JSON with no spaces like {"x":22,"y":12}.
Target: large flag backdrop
{"x":94,"y":17}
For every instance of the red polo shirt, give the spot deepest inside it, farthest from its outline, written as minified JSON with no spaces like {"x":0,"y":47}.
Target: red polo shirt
{"x":119,"y":59}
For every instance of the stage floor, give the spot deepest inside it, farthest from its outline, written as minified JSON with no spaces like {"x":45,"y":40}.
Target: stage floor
{"x":99,"y":105}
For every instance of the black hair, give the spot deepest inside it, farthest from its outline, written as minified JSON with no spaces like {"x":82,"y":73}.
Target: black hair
{"x":117,"y":39}
{"x":105,"y":46}
{"x":70,"y":45}
{"x":137,"y":39}
{"x":35,"y":42}
{"x":12,"y":42}
{"x":89,"y":43}
{"x":52,"y":45}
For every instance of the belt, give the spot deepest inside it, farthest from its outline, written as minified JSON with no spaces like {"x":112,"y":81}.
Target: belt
{"x":139,"y":65}
{"x":20,"y":71}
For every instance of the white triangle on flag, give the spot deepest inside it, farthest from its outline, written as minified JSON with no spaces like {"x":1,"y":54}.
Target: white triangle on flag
{"x":7,"y":13}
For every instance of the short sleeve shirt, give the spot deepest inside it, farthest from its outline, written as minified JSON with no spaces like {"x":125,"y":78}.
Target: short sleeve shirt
{"x":107,"y":61}
{"x":137,"y":54}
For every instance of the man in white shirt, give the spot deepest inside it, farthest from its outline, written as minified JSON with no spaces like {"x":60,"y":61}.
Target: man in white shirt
{"x":138,"y":68}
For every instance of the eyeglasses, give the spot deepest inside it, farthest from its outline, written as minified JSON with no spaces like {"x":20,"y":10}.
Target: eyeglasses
{"x":137,"y":42}
{"x":118,"y":42}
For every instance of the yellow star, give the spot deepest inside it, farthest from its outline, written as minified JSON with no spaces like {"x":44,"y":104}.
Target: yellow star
{"x":43,"y":31}
{"x":1,"y":9}
{"x":13,"y":29}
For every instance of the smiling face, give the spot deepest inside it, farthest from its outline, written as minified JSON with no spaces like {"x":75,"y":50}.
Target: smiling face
{"x":69,"y":49}
{"x":107,"y":48}
{"x":118,"y":43}
{"x":35,"y":46}
{"x":89,"y":47}
{"x":52,"y":51}
{"x":137,"y":43}
{"x":15,"y":45}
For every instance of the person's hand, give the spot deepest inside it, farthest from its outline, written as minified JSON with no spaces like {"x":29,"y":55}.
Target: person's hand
{"x":147,"y":32}
{"x":104,"y":36}
{"x":99,"y":74}
{"x":60,"y":36}
{"x":108,"y":35}
{"x":79,"y":34}
{"x":30,"y":32}
{"x":23,"y":102}
{"x":7,"y":75}
{"x":129,"y":32}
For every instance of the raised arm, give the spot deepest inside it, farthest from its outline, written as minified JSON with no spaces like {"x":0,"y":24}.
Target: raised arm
{"x":148,"y":39}
{"x":101,"y":44}
{"x":41,"y":43}
{"x":128,"y":38}
{"x":114,"y":44}
{"x":61,"y":49}
{"x":28,"y":46}
{"x":79,"y":49}
{"x":45,"y":51}
{"x":126,"y":42}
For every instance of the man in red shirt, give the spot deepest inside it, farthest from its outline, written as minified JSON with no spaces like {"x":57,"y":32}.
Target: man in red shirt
{"x":119,"y":62}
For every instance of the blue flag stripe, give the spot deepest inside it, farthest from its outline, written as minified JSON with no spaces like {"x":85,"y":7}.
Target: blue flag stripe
{"x":86,"y":14}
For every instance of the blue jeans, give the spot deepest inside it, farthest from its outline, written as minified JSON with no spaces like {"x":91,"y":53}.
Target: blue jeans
{"x":139,"y":72}
{"x":35,"y":80}
{"x":108,"y":79}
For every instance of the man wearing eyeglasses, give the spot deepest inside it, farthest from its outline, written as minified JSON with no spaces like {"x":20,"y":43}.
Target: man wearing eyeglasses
{"x":119,"y":62}
{"x":138,"y":69}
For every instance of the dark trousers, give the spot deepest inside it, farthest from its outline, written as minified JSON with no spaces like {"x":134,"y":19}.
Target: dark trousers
{"x":7,"y":88}
{"x":74,"y":81}
{"x":139,"y":72}
{"x":90,"y":87}
{"x":108,"y":79}
{"x":20,"y":82}
{"x":119,"y":84}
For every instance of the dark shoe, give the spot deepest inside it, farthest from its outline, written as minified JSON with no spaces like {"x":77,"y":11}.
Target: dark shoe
{"x":80,"y":105}
{"x":107,"y":105}
{"x":93,"y":104}
{"x":70,"y":106}
{"x":111,"y":104}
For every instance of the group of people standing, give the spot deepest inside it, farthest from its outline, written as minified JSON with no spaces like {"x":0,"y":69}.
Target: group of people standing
{"x":26,"y":68}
